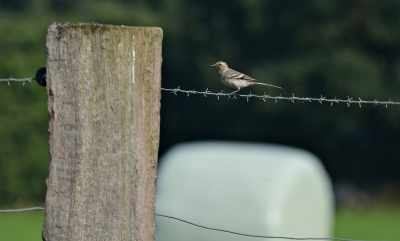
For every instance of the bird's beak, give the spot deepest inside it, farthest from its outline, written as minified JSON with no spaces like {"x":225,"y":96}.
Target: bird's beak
{"x":213,"y":65}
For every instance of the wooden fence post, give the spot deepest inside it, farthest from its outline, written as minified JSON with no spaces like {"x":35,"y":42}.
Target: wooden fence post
{"x":103,"y":85}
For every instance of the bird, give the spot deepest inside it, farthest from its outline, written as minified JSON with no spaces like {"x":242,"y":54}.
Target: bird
{"x":235,"y":79}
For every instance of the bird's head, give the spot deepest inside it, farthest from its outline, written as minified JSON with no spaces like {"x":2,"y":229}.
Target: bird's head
{"x":220,"y":65}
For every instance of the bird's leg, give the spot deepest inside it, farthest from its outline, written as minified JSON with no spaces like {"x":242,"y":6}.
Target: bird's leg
{"x":233,"y":94}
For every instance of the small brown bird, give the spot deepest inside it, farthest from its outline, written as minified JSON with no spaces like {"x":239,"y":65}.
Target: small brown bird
{"x":235,"y":79}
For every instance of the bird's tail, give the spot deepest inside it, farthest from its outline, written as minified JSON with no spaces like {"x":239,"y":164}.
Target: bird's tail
{"x":260,"y":83}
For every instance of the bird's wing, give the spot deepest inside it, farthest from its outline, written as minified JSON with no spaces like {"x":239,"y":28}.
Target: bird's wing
{"x":233,"y":74}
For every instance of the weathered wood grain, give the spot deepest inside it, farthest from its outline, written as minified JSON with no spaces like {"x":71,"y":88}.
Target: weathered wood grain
{"x":103,"y":85}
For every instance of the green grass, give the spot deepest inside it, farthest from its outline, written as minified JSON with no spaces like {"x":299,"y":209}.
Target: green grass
{"x":377,"y":224}
{"x":24,"y":226}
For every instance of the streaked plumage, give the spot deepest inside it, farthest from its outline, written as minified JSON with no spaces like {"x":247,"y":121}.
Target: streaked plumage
{"x":235,"y":79}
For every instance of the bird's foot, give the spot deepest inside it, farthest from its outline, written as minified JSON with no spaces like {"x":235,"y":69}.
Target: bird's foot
{"x":233,"y":95}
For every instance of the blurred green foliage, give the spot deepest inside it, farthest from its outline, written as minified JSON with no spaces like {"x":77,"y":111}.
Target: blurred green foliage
{"x":311,"y":48}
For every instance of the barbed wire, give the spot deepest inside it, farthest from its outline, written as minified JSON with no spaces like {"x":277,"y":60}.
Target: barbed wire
{"x":11,"y":79}
{"x":263,"y":97}
{"x":204,"y":227}
{"x":293,"y":98}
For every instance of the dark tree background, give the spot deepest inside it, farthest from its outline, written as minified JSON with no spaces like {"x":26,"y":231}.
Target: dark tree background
{"x":311,"y":48}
